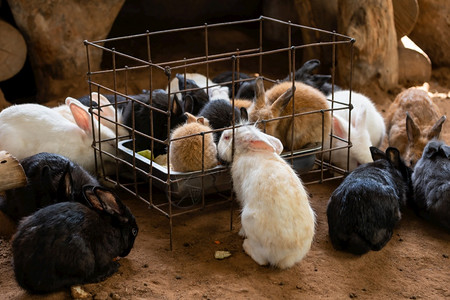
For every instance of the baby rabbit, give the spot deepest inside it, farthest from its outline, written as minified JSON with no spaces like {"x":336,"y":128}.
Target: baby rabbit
{"x":188,"y":145}
{"x":70,"y":243}
{"x":374,"y":120}
{"x":193,"y":100}
{"x":276,"y":102}
{"x":304,"y":74}
{"x":360,"y":138}
{"x":422,"y":123}
{"x":137,"y":115}
{"x":365,"y":207}
{"x":220,"y":115}
{"x":226,"y":79}
{"x":431,"y":184}
{"x":28,"y":129}
{"x":277,"y":219}
{"x":51,"y":178}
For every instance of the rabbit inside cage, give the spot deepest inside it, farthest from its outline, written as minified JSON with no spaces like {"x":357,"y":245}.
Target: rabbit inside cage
{"x":176,"y":120}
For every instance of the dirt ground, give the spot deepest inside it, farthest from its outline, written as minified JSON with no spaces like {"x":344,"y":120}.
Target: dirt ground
{"x":415,"y":264}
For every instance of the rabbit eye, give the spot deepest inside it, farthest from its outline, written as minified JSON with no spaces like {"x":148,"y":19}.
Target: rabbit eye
{"x":227,"y":137}
{"x":134,"y":231}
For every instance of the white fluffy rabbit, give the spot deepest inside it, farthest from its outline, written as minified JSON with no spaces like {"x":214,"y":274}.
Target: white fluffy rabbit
{"x":367,"y":129}
{"x":360,"y":138}
{"x":277,"y":219}
{"x":375,"y":124}
{"x":28,"y":129}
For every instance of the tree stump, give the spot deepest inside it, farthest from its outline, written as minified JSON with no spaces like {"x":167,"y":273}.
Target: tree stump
{"x":371,"y":24}
{"x":13,"y":51}
{"x":3,"y":102}
{"x":54,"y":32}
{"x":414,"y":65}
{"x":13,"y":175}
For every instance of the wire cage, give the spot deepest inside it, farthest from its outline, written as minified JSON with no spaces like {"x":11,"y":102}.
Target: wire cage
{"x":131,"y":79}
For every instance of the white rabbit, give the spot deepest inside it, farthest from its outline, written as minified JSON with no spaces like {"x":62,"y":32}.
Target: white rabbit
{"x":359,"y":136}
{"x":374,"y":120}
{"x":28,"y":129}
{"x":277,"y":219}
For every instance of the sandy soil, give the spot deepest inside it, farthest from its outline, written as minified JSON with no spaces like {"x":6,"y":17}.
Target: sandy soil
{"x":415,"y":264}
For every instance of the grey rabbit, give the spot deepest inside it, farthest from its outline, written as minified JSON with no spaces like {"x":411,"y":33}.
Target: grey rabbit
{"x":365,"y":207}
{"x":431,"y":184}
{"x":70,"y":243}
{"x":51,"y":178}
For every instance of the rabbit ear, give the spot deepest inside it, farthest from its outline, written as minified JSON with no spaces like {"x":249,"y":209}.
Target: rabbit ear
{"x":377,"y":153}
{"x":412,"y":131}
{"x":436,"y":129}
{"x":176,"y":107}
{"x":104,"y":105}
{"x":80,"y":114}
{"x":102,"y":200}
{"x":260,"y":93}
{"x":393,"y":156}
{"x":446,"y":151}
{"x":338,"y":128}
{"x":431,"y":149}
{"x":260,"y":141}
{"x":279,"y":104}
{"x":109,"y":201}
{"x":188,"y":104}
{"x":190,"y":118}
{"x":244,"y":114}
{"x":65,"y":186}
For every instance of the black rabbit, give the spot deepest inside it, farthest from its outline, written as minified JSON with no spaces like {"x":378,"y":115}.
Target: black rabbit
{"x":318,"y":81}
{"x":220,"y":115}
{"x":193,"y":101}
{"x":70,"y":243}
{"x":365,"y":207}
{"x":431,"y":184}
{"x":137,"y":115}
{"x":51,"y":178}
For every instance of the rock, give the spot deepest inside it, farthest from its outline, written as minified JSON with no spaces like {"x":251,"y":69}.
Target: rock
{"x":432,"y":30}
{"x":77,"y":292}
{"x":54,"y":32}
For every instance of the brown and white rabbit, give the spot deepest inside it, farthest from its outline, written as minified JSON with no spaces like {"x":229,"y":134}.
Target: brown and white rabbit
{"x":189,"y":143}
{"x":412,"y":120}
{"x":276,"y":102}
{"x":277,"y":219}
{"x":70,"y":243}
{"x":28,"y":129}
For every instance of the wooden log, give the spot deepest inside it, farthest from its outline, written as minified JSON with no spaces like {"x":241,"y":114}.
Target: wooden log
{"x":414,"y":64}
{"x":13,"y":175}
{"x":406,"y":13}
{"x":3,"y":102}
{"x":371,"y":24}
{"x":13,"y":51}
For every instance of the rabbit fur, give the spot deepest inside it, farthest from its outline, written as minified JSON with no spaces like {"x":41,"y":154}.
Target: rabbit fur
{"x":365,"y":207}
{"x":412,"y":120}
{"x":375,"y":124}
{"x":431,"y":184}
{"x":189,"y":145}
{"x":28,"y":129}
{"x":277,"y":219}
{"x":276,"y":102}
{"x":76,"y":243}
{"x":51,"y":178}
{"x":137,"y":116}
{"x":360,"y":139}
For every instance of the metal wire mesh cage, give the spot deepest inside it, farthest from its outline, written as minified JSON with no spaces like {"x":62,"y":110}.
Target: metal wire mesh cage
{"x":136,"y":76}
